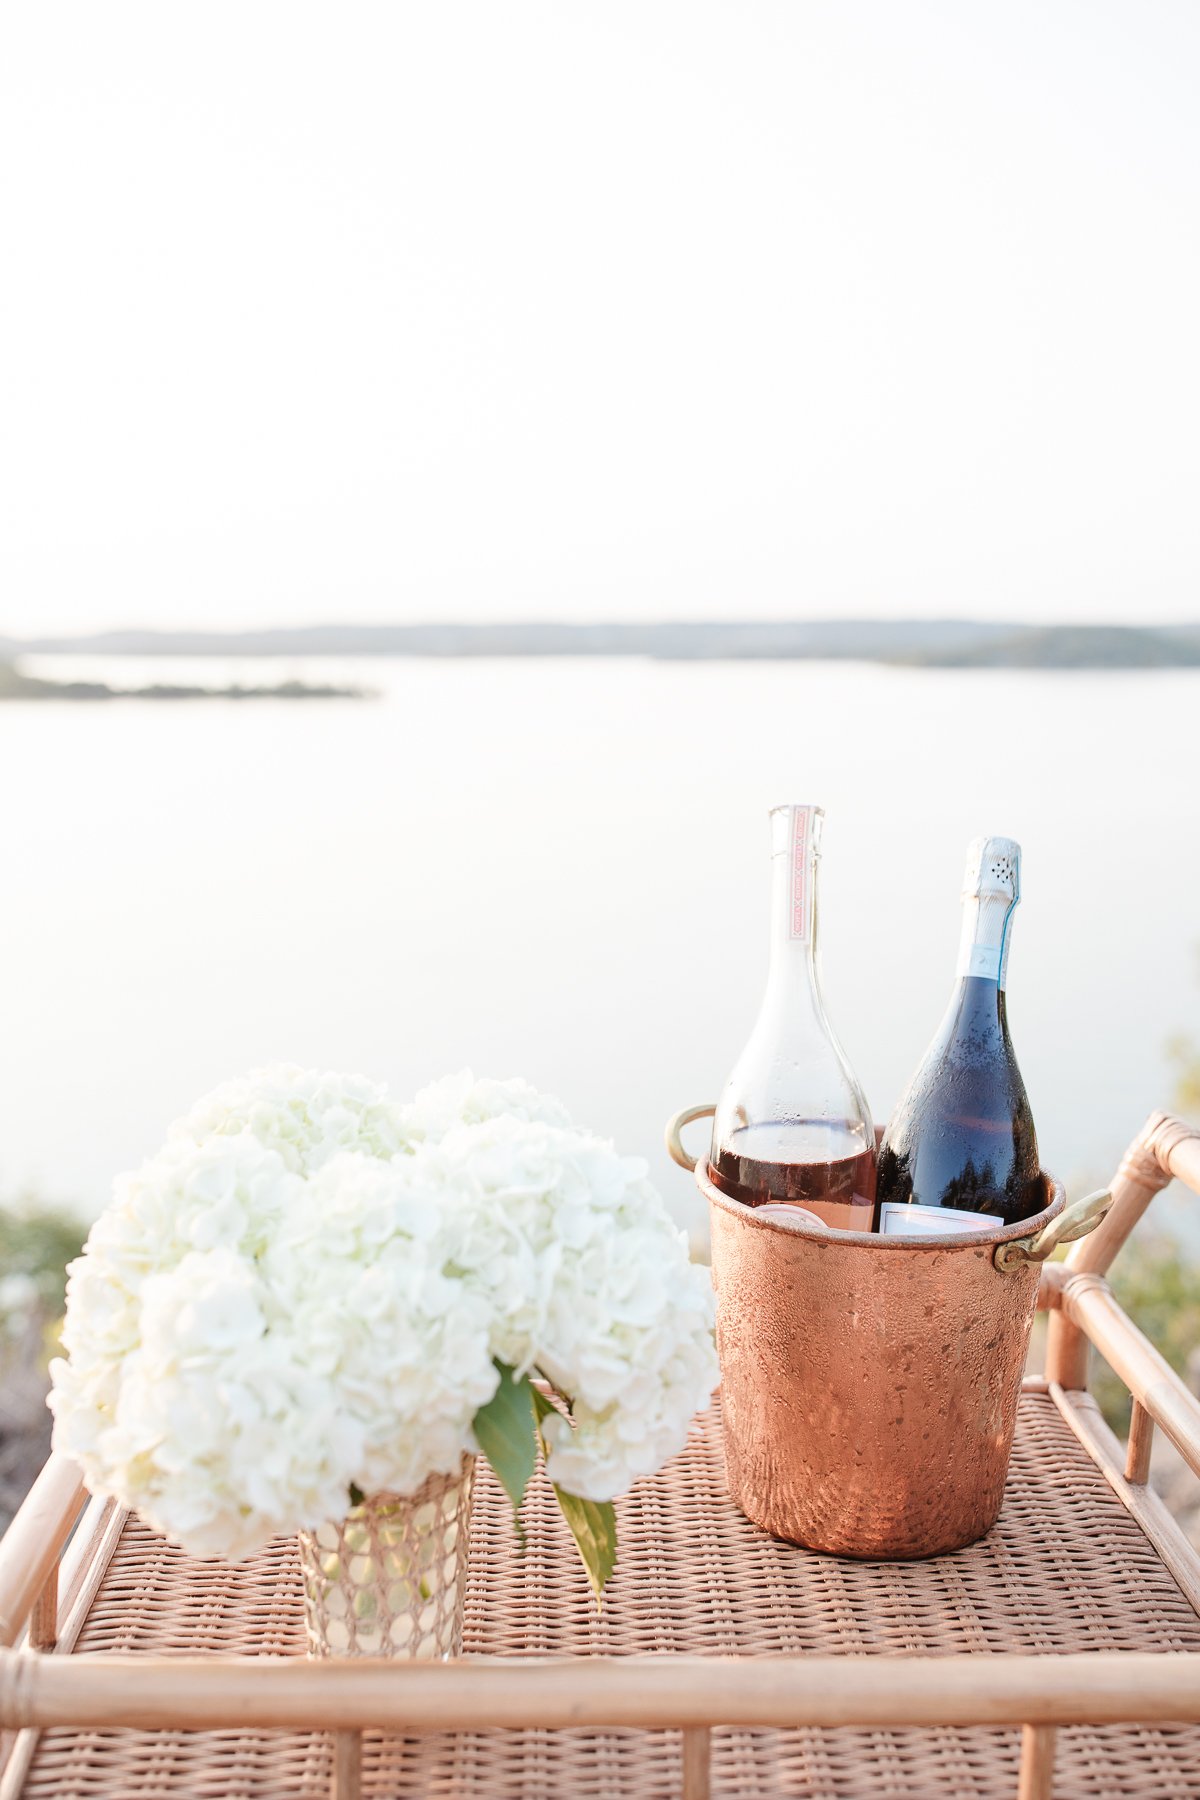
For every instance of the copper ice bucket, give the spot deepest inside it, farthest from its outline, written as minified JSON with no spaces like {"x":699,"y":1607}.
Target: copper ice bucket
{"x":869,"y":1384}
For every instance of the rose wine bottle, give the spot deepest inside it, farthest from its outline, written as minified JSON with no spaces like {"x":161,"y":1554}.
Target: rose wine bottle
{"x":960,"y":1151}
{"x":792,"y":1132}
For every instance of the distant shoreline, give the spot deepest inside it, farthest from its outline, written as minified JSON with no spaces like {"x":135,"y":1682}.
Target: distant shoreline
{"x":18,"y":687}
{"x":915,"y":643}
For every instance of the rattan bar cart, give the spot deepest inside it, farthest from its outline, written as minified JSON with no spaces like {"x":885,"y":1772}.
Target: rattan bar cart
{"x":1059,"y":1654}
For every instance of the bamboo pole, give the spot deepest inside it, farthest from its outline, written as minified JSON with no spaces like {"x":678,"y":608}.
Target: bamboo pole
{"x":29,"y":1548}
{"x":81,"y":1569}
{"x":1183,"y":1156}
{"x":697,"y":1758}
{"x":346,"y":1782}
{"x":1165,"y":1149}
{"x":43,"y":1622}
{"x":1087,"y":1301}
{"x":1048,"y":1287}
{"x":1106,"y":1451}
{"x":1141,"y":1443}
{"x":84,"y":1565}
{"x":1037,"y":1763}
{"x":1067,"y":1353}
{"x":654,"y":1693}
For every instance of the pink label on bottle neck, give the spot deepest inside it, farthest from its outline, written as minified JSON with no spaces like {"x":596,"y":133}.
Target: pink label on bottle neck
{"x":801,"y":821}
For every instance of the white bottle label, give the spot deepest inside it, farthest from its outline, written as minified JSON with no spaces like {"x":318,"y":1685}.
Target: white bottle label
{"x":897,"y":1220}
{"x":981,"y":959}
{"x":801,"y":828}
{"x":986,"y":934}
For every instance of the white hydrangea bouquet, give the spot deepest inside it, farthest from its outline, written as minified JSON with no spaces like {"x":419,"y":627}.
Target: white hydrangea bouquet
{"x":313,"y":1294}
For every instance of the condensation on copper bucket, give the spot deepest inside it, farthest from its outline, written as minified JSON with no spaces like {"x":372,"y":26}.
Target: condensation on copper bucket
{"x":869,"y":1385}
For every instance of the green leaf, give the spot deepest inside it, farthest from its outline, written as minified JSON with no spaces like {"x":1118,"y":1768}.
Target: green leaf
{"x":506,"y":1431}
{"x":593,"y":1525}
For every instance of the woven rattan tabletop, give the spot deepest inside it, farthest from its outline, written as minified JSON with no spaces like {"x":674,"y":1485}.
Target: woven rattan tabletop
{"x":1066,"y":1569}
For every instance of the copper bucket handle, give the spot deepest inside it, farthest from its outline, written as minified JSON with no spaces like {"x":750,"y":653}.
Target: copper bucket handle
{"x":1074,"y":1221}
{"x":674,"y":1140}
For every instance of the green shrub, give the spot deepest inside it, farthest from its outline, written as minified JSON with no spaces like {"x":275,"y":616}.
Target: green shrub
{"x":1159,"y":1287}
{"x":36,"y":1244}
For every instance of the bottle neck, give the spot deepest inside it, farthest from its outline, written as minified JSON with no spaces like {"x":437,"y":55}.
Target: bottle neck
{"x":986,"y":935}
{"x":792,"y":972}
{"x":976,"y":1014}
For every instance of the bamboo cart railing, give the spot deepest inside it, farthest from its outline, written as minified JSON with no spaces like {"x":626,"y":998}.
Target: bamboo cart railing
{"x":51,"y":1694}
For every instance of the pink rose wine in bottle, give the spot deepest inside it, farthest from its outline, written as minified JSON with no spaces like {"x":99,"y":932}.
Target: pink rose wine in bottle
{"x":960,"y":1152}
{"x":792,"y":1133}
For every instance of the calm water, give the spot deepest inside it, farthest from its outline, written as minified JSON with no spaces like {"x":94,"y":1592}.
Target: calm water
{"x":559,"y":869}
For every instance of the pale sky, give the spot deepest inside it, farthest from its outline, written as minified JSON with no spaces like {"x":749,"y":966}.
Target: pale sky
{"x":623,"y":310}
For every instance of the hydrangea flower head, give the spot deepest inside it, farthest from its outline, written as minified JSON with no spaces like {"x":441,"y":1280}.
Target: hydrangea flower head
{"x":309,"y":1290}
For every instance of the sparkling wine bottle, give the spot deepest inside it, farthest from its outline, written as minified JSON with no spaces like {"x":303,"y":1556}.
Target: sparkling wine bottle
{"x":961,"y":1143}
{"x":792,"y":1132}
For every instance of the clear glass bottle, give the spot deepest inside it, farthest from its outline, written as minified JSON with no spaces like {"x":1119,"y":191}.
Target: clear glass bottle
{"x":792,"y":1131}
{"x":962,"y":1143}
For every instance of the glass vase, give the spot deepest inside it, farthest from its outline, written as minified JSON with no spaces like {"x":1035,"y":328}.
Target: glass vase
{"x":390,"y":1579}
